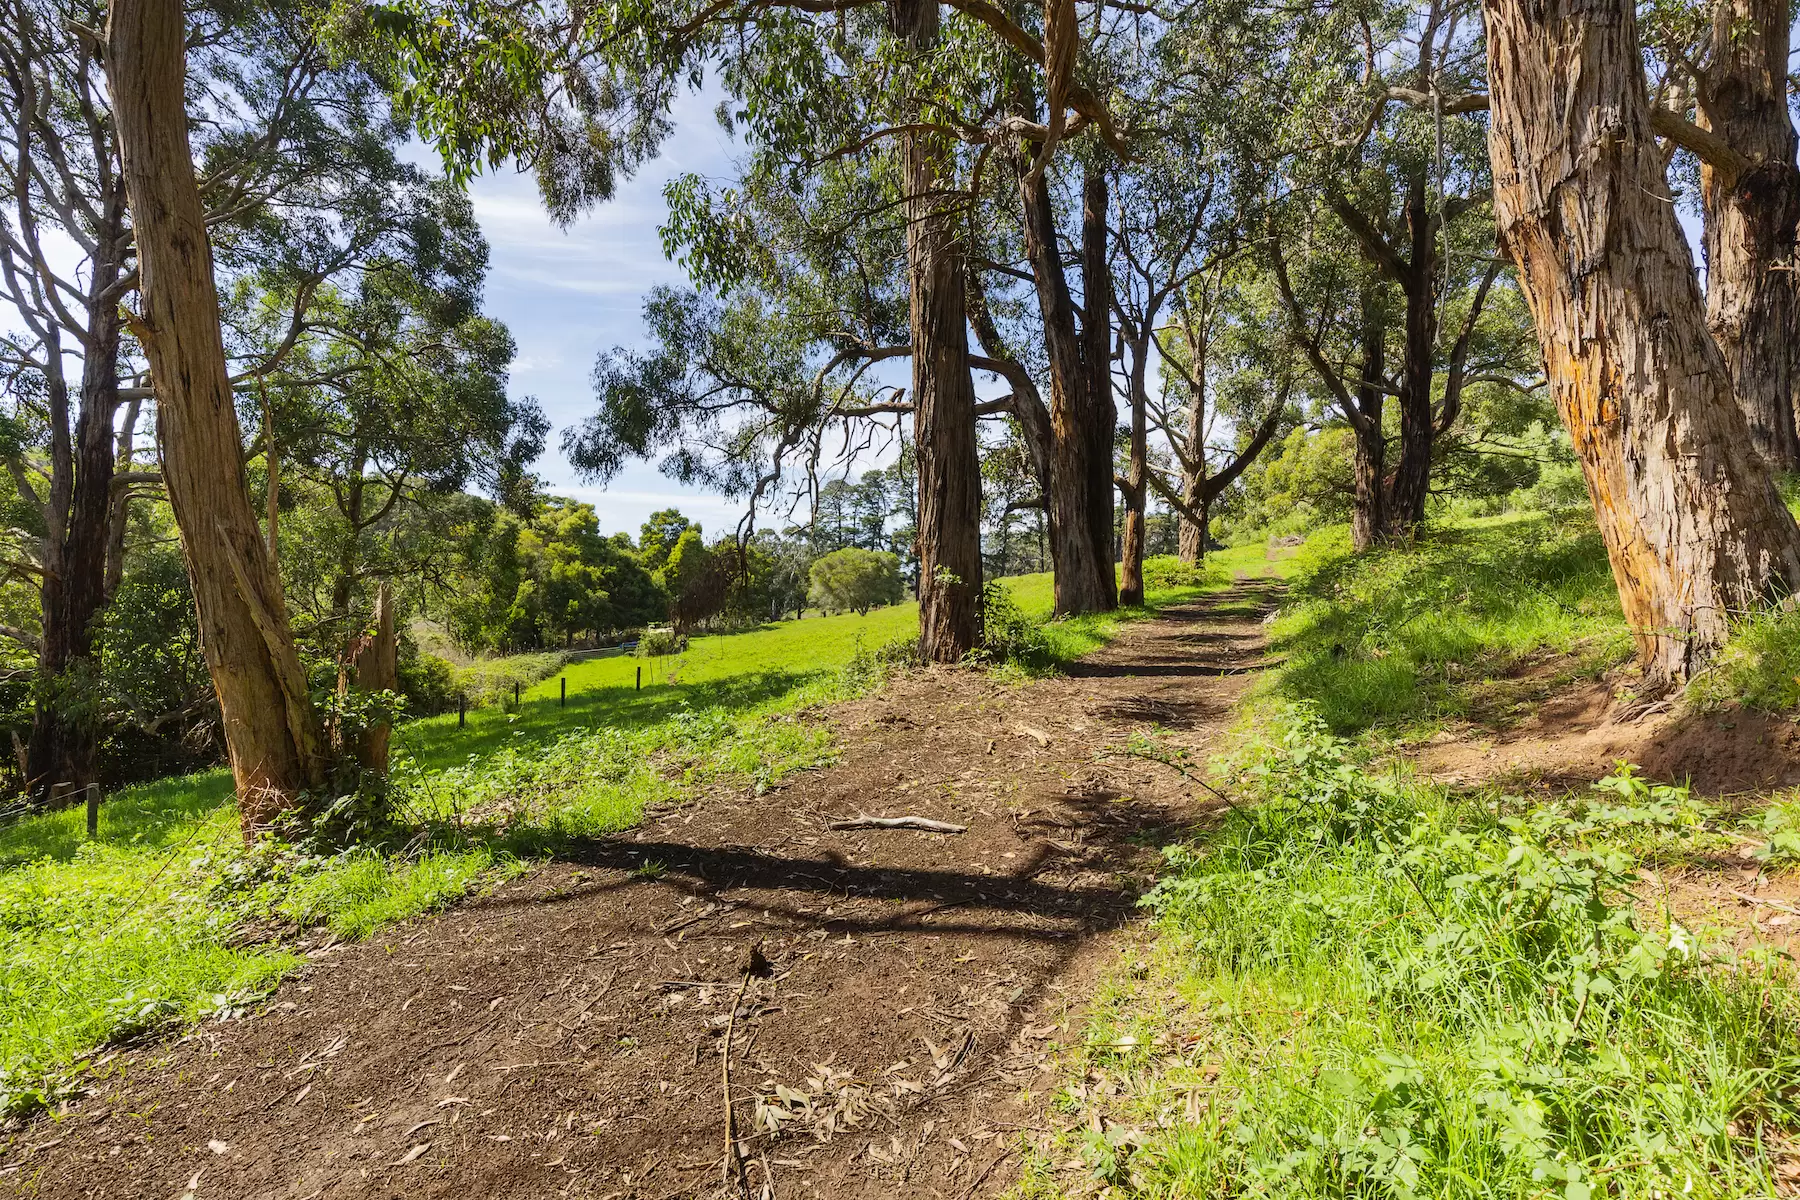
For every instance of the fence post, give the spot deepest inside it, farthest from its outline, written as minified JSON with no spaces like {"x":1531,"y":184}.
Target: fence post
{"x":640,"y":686}
{"x":462,"y":709}
{"x":563,"y":700}
{"x":515,"y":695}
{"x":93,"y":810}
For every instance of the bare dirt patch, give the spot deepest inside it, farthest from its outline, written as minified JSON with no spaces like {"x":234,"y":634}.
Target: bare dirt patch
{"x":563,"y":1035}
{"x":1580,"y":731}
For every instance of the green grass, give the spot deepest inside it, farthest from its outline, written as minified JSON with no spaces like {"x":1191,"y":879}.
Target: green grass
{"x":1479,"y":620}
{"x":1759,"y":667}
{"x":138,"y":927}
{"x":1366,"y":986}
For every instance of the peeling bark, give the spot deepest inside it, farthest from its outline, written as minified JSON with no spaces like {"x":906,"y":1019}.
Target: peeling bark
{"x":949,"y":545}
{"x":1750,"y":217}
{"x":1692,"y":522}
{"x":273,"y":735}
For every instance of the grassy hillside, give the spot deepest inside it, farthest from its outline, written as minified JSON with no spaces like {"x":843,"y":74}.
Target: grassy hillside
{"x":1365,"y":985}
{"x":1478,"y":619}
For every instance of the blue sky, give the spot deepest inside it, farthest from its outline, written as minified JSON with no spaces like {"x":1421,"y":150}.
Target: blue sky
{"x":569,"y":294}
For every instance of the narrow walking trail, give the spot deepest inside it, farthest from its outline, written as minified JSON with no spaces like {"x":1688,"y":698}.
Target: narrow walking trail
{"x":564,"y":1035}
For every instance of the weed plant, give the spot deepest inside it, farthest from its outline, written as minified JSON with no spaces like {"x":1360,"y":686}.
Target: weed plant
{"x":1759,"y":668}
{"x":1399,"y":993}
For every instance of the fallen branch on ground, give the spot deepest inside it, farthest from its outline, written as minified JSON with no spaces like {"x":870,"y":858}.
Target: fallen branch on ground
{"x":920,"y":823}
{"x":1128,"y":752}
{"x":1777,"y":905}
{"x":734,"y":1161}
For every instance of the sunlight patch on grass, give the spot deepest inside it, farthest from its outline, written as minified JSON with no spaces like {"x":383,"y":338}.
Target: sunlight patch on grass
{"x":1476,"y":620}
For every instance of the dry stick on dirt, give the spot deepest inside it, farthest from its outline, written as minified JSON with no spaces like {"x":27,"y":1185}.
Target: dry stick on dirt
{"x":1777,"y":905}
{"x":734,"y":1165}
{"x":1174,"y":766}
{"x":925,"y":824}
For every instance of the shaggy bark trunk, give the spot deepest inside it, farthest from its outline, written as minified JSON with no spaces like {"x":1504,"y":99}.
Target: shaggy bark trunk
{"x":949,"y":527}
{"x":272,"y":733}
{"x":1692,"y":522}
{"x":1136,"y":483}
{"x":1079,"y":502}
{"x":64,"y":737}
{"x":272,"y":471}
{"x":1750,"y":218}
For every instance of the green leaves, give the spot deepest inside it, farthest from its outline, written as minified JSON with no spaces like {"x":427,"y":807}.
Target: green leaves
{"x":1414,"y":998}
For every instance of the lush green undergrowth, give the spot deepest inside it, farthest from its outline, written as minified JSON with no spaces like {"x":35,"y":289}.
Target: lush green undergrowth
{"x":1477,"y":620}
{"x":144,"y":924}
{"x":1367,"y":986}
{"x":1760,"y":668}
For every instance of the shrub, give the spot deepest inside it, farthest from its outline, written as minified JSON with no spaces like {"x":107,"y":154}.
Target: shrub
{"x":428,"y":683}
{"x":1008,"y":635}
{"x":660,"y":643}
{"x":854,"y":579}
{"x":491,"y":681}
{"x":1166,"y":572}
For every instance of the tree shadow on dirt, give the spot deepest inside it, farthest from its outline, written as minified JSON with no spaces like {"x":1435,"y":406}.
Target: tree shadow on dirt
{"x":1108,"y":836}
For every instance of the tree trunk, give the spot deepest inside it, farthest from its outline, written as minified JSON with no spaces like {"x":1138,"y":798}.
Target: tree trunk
{"x":1131,"y":558}
{"x":1369,"y":510}
{"x":1750,"y":218}
{"x":1411,"y":485}
{"x":1100,"y":417}
{"x":1692,"y":522}
{"x":119,"y":512}
{"x":349,"y":558}
{"x":377,"y":669}
{"x":273,"y":735}
{"x":64,"y":736}
{"x":1194,"y":535}
{"x":949,"y":527}
{"x":1079,"y":502}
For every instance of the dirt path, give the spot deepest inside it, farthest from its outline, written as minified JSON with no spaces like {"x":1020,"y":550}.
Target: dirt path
{"x":562,"y":1036}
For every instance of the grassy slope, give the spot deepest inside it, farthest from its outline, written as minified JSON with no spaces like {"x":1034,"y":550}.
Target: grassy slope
{"x":100,"y":938}
{"x":1474,"y":621}
{"x":1368,"y":985}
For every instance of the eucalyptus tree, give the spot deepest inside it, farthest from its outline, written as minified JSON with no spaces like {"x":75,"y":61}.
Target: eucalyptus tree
{"x":277,"y":122}
{"x":808,"y":82}
{"x":273,"y":733}
{"x":1722,"y":96}
{"x":765,"y":378}
{"x":1392,"y":164}
{"x":1218,"y":360}
{"x":1693,"y":524}
{"x":1181,"y":209}
{"x":805,"y":82}
{"x":392,"y":387}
